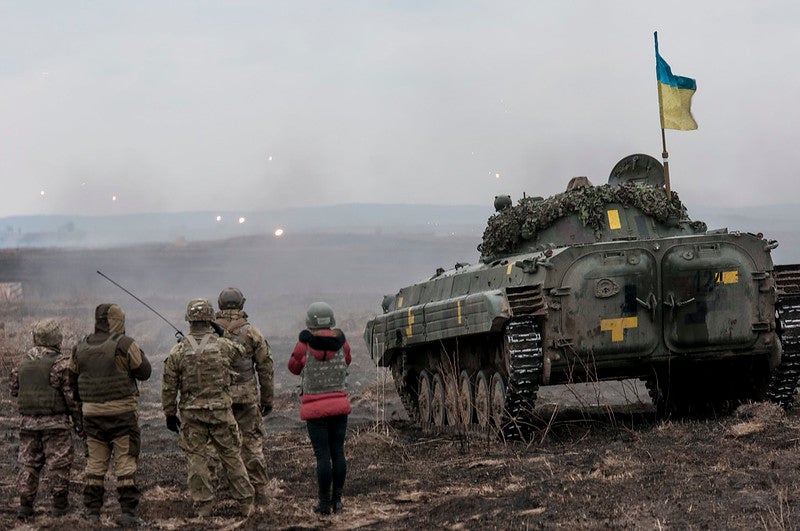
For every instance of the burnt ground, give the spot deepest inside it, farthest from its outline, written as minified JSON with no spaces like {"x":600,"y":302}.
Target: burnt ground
{"x":600,"y":459}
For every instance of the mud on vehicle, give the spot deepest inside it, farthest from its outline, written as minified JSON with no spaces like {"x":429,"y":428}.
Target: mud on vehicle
{"x":598,"y":283}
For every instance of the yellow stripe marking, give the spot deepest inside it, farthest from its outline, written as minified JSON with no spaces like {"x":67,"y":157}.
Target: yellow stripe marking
{"x":510,"y":266}
{"x":410,"y":322}
{"x":613,"y":219}
{"x":728,"y":277}
{"x":399,"y":301}
{"x":617,"y":326}
{"x":458,"y":307}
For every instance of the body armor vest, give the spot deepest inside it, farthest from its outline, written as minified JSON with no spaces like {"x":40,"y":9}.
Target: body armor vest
{"x":243,"y":366}
{"x":100,"y":379}
{"x":205,"y":378}
{"x":36,"y":396}
{"x":324,"y":376}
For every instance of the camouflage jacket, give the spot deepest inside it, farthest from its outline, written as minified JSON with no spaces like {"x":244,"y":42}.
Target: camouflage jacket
{"x":208,"y":386}
{"x":59,"y":380}
{"x":257,"y":360}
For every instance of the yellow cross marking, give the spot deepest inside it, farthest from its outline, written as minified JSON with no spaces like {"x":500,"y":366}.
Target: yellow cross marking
{"x":617,"y":326}
{"x":510,"y":266}
{"x":410,"y":322}
{"x":613,"y":219}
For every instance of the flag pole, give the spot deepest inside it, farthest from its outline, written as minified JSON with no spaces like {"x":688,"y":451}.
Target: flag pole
{"x":665,"y":160}
{"x":664,"y":153}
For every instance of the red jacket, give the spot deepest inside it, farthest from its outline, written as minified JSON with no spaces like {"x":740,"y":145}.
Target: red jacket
{"x":323,"y":344}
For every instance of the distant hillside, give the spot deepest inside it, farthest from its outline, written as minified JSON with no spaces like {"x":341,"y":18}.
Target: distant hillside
{"x":95,"y":231}
{"x":779,"y":222}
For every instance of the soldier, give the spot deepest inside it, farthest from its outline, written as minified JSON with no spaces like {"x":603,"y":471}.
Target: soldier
{"x":252,"y":398}
{"x":105,"y":365}
{"x":41,"y":384}
{"x":199,"y":369}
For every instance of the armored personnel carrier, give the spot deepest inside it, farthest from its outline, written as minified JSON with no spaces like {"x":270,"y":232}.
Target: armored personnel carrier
{"x":596,"y":283}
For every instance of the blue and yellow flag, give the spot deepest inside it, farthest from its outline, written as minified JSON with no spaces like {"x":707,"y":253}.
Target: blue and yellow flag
{"x":674,"y":96}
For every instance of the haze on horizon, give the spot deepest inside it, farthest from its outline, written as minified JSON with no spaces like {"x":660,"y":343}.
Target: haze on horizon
{"x":133,"y":107}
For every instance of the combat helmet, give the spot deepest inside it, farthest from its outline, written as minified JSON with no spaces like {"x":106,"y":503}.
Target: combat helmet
{"x":231,"y":299}
{"x":319,"y":315}
{"x":199,"y":310}
{"x":47,"y":333}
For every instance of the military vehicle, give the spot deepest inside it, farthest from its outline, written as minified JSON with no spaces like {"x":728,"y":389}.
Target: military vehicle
{"x":597,"y":283}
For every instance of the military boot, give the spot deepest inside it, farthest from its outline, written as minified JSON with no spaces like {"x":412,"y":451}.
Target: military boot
{"x":246,"y":509}
{"x":93,"y":515}
{"x":129,"y":519}
{"x":60,"y":504}
{"x":261,"y":495}
{"x":323,"y":507}
{"x":203,"y":509}
{"x":25,"y":510}
{"x":337,"y":502}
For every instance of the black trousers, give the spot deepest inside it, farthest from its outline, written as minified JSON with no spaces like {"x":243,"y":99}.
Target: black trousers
{"x":327,"y":438}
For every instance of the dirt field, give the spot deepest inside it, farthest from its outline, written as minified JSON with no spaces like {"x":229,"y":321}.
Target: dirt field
{"x":599,"y":461}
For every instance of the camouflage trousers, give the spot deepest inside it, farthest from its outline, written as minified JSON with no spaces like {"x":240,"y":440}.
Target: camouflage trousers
{"x":251,"y":428}
{"x":37,"y":448}
{"x":199,"y":428}
{"x":108,"y":437}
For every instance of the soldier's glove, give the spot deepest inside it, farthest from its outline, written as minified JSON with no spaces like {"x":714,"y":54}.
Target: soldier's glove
{"x":173,"y":423}
{"x":266,"y":409}
{"x":218,"y":328}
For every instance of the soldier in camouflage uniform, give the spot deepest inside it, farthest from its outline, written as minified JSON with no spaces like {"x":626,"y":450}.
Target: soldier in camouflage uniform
{"x":105,"y":366}
{"x":252,"y":398}
{"x":41,"y":384}
{"x":199,"y":369}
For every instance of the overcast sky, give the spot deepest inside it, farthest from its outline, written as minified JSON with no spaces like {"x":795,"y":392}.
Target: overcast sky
{"x":252,"y":105}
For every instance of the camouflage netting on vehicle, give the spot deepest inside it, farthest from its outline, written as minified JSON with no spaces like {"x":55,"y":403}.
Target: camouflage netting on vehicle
{"x":507,"y":229}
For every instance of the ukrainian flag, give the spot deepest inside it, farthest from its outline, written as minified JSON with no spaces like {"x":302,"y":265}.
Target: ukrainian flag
{"x":674,"y":96}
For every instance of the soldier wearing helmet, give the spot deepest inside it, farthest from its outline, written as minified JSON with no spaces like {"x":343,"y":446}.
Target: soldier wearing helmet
{"x":48,"y":411}
{"x":105,"y":366}
{"x":252,"y":386}
{"x":322,"y":356}
{"x":199,"y":370}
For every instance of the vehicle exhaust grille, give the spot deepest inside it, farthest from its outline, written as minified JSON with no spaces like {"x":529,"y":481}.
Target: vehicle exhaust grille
{"x":526,"y":300}
{"x":787,"y":278}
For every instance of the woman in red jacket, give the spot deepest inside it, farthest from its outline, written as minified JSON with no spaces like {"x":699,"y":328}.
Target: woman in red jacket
{"x":321,"y":356}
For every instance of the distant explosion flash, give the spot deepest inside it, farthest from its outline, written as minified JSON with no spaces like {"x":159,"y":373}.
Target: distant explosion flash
{"x":113,"y":198}
{"x":41,"y":193}
{"x":278,"y":232}
{"x":242,"y":220}
{"x":497,"y":175}
{"x":218,"y":219}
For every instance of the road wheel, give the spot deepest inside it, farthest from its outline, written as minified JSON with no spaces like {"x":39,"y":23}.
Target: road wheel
{"x":451,"y":398}
{"x":425,"y":398}
{"x":483,"y":411}
{"x":438,"y":401}
{"x":466,"y":398}
{"x":498,"y":400}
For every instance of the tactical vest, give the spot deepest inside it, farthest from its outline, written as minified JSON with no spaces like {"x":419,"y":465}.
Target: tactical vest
{"x":205,"y":377}
{"x":36,"y":396}
{"x":242,"y":367}
{"x":324,"y":376}
{"x":99,"y":377}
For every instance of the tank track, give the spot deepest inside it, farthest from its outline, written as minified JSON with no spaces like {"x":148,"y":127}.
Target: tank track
{"x":407,"y":397}
{"x":784,"y":380}
{"x":525,"y":364}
